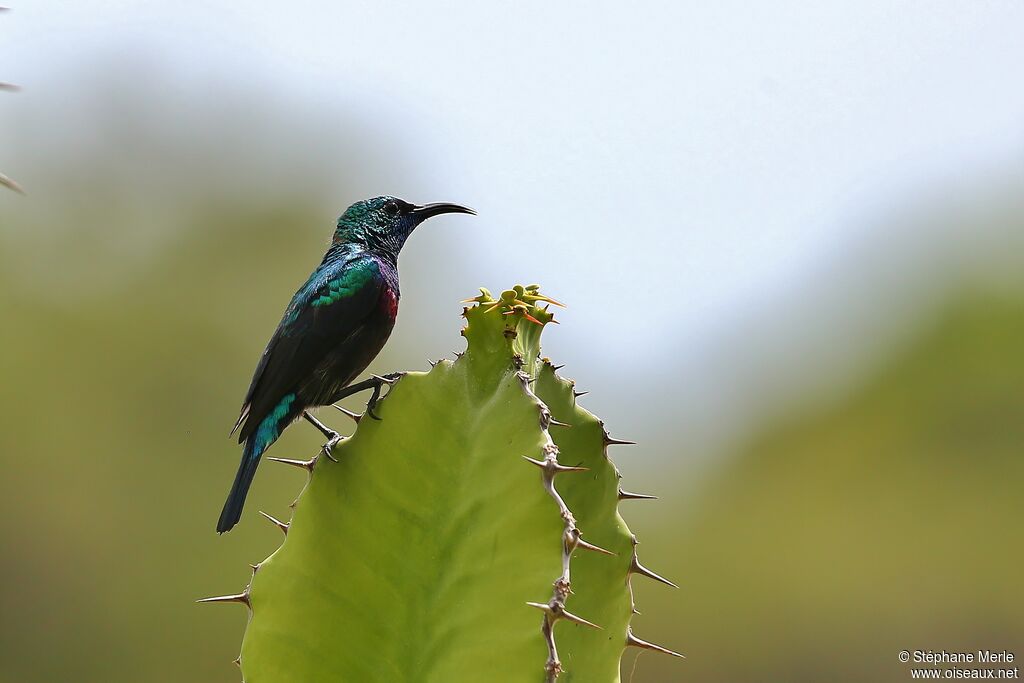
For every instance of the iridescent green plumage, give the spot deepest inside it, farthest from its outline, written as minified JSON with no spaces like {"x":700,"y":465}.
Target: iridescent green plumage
{"x":335,"y":325}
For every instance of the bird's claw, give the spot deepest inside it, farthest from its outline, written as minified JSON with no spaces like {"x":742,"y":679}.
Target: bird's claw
{"x":381,"y":380}
{"x":328,"y":447}
{"x":372,"y":403}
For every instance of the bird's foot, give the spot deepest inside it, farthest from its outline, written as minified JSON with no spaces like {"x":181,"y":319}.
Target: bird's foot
{"x":380,"y":381}
{"x":333,"y":440}
{"x":333,"y":437}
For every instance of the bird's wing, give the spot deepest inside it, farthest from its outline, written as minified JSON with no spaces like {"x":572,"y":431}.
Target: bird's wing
{"x":333,"y":304}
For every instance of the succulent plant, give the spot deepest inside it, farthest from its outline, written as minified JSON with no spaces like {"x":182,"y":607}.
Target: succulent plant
{"x":471,"y":534}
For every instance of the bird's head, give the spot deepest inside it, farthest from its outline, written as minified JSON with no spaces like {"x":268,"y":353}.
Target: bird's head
{"x":384,"y":223}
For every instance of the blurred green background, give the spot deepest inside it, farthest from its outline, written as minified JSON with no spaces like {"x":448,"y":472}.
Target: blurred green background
{"x":836,"y":442}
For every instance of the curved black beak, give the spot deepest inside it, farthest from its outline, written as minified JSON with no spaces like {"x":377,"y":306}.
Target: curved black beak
{"x":422,"y":213}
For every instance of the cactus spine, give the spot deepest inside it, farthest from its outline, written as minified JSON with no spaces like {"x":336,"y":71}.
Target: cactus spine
{"x":4,"y":180}
{"x":483,"y":492}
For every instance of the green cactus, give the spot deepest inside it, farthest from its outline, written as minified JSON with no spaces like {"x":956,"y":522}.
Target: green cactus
{"x":421,"y":553}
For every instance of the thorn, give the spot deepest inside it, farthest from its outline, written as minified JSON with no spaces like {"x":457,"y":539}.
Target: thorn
{"x":386,"y":380}
{"x":636,"y":568}
{"x":556,"y":368}
{"x":558,"y":423}
{"x":496,"y":305}
{"x":545,"y":299}
{"x":433,"y":362}
{"x":579,"y":620}
{"x":554,"y":466}
{"x":355,"y":416}
{"x":556,"y":612}
{"x":590,"y":546}
{"x":238,"y":661}
{"x":609,"y":441}
{"x":626,"y":495}
{"x":8,"y":183}
{"x":276,"y":522}
{"x":9,"y":86}
{"x":633,"y":641}
{"x":242,"y":597}
{"x":577,"y":394}
{"x":255,"y":568}
{"x":304,"y":464}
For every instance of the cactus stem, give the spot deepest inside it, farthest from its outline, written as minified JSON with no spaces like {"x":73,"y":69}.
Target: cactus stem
{"x":356,"y":417}
{"x":304,"y":464}
{"x":283,"y":526}
{"x":633,"y":641}
{"x":242,"y":598}
{"x":517,"y":309}
{"x":636,"y":568}
{"x":552,"y":666}
{"x":627,"y":495}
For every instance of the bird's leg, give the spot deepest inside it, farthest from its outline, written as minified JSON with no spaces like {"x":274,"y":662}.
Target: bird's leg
{"x":333,"y":437}
{"x":375,"y":383}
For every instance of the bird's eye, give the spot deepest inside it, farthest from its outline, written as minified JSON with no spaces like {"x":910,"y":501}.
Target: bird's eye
{"x":391,"y":209}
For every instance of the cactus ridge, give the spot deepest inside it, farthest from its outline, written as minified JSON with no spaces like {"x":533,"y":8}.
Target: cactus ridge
{"x":418,"y":554}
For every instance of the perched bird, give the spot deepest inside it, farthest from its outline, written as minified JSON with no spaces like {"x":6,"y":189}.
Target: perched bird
{"x":335,"y":325}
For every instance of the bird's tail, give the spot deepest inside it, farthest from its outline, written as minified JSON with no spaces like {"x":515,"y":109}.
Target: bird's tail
{"x":232,"y":511}
{"x":255,"y":444}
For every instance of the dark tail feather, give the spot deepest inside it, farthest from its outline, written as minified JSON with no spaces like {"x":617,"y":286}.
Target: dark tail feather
{"x":232,"y":511}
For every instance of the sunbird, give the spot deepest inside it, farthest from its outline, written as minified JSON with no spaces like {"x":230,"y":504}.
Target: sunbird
{"x":335,"y":325}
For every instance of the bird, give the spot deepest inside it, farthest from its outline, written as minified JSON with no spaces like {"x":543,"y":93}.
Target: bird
{"x":334,"y":326}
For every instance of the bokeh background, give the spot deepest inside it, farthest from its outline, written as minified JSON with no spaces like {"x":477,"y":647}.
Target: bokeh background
{"x":791,"y":238}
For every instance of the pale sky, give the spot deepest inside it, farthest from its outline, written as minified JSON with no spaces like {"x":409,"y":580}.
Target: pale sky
{"x":684,"y":161}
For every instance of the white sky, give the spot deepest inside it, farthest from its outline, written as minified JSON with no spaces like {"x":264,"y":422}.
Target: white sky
{"x":681,"y":160}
